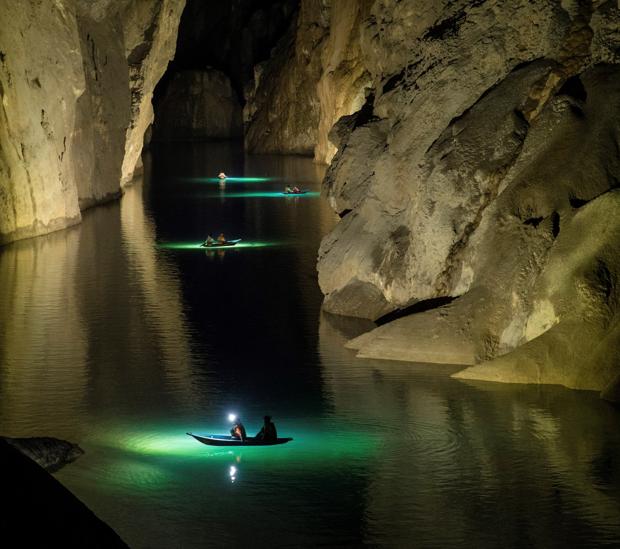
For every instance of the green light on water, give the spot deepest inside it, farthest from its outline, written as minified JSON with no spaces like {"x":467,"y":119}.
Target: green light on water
{"x":263,"y":194}
{"x":197,"y":245}
{"x":228,"y":180}
{"x":307,"y":445}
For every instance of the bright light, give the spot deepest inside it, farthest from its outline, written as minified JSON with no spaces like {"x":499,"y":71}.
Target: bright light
{"x":232,"y":417}
{"x":233,"y":471}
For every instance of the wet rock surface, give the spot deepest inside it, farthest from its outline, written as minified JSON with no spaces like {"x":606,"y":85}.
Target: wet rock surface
{"x":39,"y":512}
{"x":50,"y":453}
{"x":491,"y":133}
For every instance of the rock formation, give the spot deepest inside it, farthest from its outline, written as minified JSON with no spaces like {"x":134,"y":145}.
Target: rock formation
{"x":198,"y":104}
{"x":150,"y":34}
{"x":50,"y":453}
{"x":315,"y":76}
{"x":76,"y":79}
{"x":478,"y":171}
{"x":282,"y":107}
{"x":39,"y":512}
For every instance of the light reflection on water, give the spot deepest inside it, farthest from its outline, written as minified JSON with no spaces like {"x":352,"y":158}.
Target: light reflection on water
{"x":108,"y":340}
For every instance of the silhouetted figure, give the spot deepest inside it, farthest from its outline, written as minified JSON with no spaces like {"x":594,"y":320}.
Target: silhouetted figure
{"x":221,"y":239}
{"x":209,"y":241}
{"x":238,"y":430}
{"x":268,"y":431}
{"x":222,"y":175}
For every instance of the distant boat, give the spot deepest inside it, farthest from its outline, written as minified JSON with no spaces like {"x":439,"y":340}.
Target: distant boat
{"x":217,"y":244}
{"x":296,"y":192}
{"x":227,"y":440}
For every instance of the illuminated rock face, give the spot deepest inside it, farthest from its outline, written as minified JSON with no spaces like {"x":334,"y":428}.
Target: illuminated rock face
{"x":465,"y":175}
{"x":150,"y":33}
{"x":199,"y":104}
{"x":282,"y":108}
{"x":76,"y":79}
{"x":315,"y":76}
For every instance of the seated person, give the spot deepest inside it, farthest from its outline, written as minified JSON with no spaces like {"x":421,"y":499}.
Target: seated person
{"x":288,"y":189}
{"x":296,"y":190}
{"x":238,"y":430}
{"x":222,"y":175}
{"x":221,"y":239}
{"x":209,"y":241}
{"x":268,"y":430}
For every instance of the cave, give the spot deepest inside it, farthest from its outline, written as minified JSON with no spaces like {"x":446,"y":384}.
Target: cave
{"x":394,"y":227}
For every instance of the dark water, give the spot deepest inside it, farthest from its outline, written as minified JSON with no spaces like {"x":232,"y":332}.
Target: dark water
{"x":121,"y":335}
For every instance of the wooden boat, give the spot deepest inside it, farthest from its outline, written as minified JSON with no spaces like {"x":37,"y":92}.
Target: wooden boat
{"x":217,"y":244}
{"x":227,"y":440}
{"x":292,"y":193}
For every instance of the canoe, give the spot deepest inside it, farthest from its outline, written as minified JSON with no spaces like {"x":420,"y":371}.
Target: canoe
{"x":292,"y":193}
{"x":221,"y":245}
{"x":227,"y":440}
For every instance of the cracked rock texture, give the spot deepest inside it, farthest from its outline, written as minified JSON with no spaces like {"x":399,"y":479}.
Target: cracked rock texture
{"x":315,"y":76}
{"x":212,"y":109}
{"x":477,"y":169}
{"x":76,"y":78}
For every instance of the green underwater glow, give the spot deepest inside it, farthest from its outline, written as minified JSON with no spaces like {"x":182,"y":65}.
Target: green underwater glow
{"x":229,"y":179}
{"x":197,"y":245}
{"x":263,"y":194}
{"x":307,"y":445}
{"x":157,"y":459}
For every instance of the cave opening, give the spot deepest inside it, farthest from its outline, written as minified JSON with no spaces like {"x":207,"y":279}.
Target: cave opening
{"x":219,"y":45}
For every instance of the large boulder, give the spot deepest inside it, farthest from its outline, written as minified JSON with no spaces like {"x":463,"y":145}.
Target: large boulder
{"x":38,"y":511}
{"x":50,"y":453}
{"x":490,"y":128}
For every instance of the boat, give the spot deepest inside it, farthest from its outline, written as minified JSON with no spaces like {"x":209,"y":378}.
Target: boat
{"x":296,"y":193}
{"x":217,"y":244}
{"x":227,"y":440}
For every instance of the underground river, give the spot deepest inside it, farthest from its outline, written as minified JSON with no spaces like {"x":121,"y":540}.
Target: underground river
{"x":121,"y":334}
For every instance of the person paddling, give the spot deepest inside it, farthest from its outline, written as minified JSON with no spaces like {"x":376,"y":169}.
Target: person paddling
{"x":221,"y":239}
{"x":238,"y":430}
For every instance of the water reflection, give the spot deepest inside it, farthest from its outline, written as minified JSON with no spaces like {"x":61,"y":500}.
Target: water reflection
{"x":123,"y":345}
{"x":459,"y":457}
{"x":43,"y":340}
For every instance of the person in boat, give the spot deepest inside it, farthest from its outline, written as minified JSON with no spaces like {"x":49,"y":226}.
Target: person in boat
{"x":221,"y":239}
{"x":221,"y":175}
{"x":209,"y":241}
{"x":268,"y":431}
{"x":296,"y":190}
{"x":288,"y":189}
{"x":238,"y":430}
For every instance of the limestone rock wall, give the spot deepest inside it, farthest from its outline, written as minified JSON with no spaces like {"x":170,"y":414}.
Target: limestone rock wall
{"x":281,"y":114}
{"x":198,"y":104}
{"x":491,"y":125}
{"x":76,"y":78}
{"x":150,"y":34}
{"x":315,"y":75}
{"x":37,"y":117}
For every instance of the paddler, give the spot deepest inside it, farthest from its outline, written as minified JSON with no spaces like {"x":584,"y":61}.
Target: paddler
{"x":238,"y":430}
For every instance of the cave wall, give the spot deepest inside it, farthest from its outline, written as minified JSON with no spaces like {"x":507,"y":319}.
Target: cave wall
{"x":198,"y":104}
{"x":482,"y":159}
{"x":314,"y":76}
{"x":76,"y":80}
